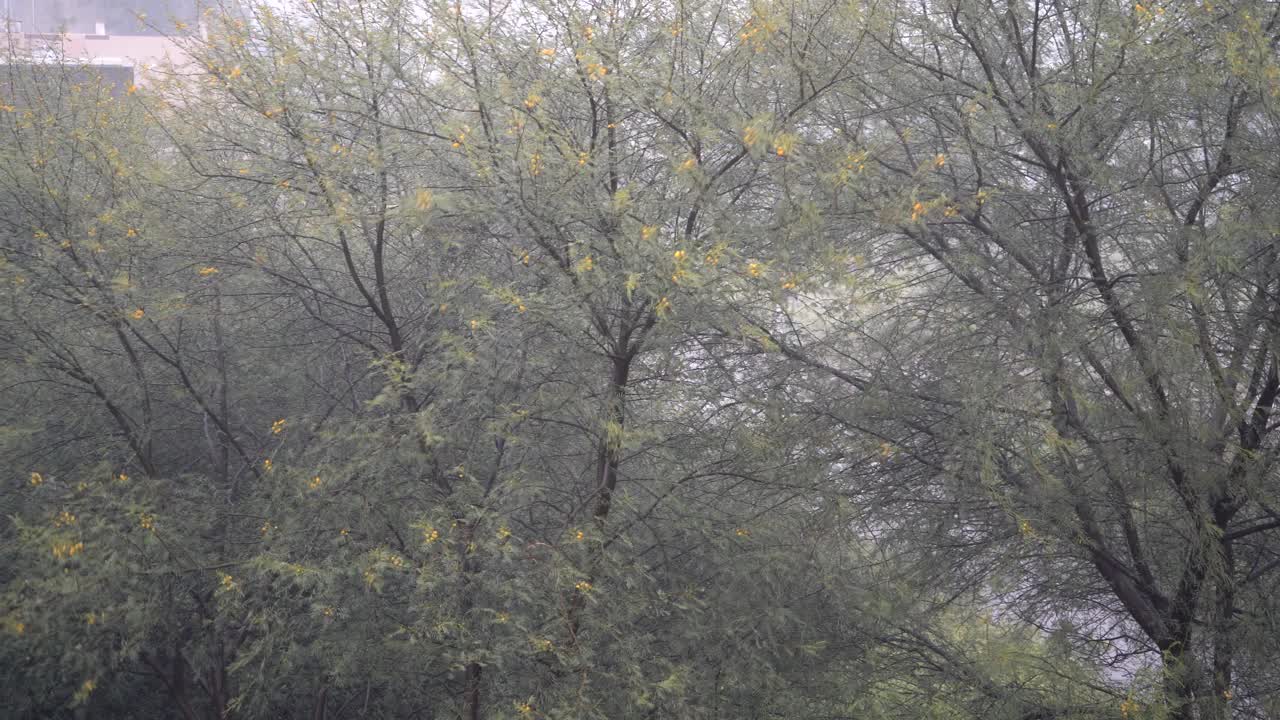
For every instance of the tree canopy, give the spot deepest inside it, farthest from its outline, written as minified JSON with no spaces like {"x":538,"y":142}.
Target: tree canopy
{"x":614,"y":359}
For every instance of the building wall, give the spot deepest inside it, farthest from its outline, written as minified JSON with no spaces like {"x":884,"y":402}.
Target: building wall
{"x":103,"y":33}
{"x":119,"y":17}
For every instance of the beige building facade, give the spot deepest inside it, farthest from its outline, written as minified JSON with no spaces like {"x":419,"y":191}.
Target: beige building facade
{"x":132,"y":37}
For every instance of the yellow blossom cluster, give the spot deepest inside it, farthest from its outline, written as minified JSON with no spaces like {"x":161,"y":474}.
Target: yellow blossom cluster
{"x":277,"y":427}
{"x":67,"y":549}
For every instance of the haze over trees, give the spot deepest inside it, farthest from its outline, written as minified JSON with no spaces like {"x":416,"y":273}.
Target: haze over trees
{"x":568,"y":359}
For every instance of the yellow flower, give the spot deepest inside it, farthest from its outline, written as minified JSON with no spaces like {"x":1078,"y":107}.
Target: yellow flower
{"x":227,"y":581}
{"x":548,"y":53}
{"x":235,"y":72}
{"x":315,"y":483}
{"x":430,"y":535}
{"x":344,"y":532}
{"x":532,"y":100}
{"x":940,"y":160}
{"x":742,"y":532}
{"x":647,"y":232}
{"x":679,"y":255}
{"x":90,"y":619}
{"x":147,"y":521}
{"x":137,"y":314}
{"x":580,"y":536}
{"x":131,"y":232}
{"x":582,"y":586}
{"x":916,"y":211}
{"x":67,"y":550}
{"x":423,"y":199}
{"x":502,"y":617}
{"x":524,"y":708}
{"x":663,"y":307}
{"x":790,"y":283}
{"x":750,"y":135}
{"x":504,"y":532}
{"x":754,"y":269}
{"x":582,"y":158}
{"x":475,"y":324}
{"x":266,"y":527}
{"x":535,"y":164}
{"x":122,"y":478}
{"x":688,"y":164}
{"x":277,"y":427}
{"x":63,"y":519}
{"x":586,"y":264}
{"x":131,"y":89}
{"x":36,"y":479}
{"x":41,"y":235}
{"x":521,"y":308}
{"x":208,"y":270}
{"x":266,"y":465}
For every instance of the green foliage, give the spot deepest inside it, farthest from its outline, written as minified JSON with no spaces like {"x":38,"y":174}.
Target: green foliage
{"x":600,"y":360}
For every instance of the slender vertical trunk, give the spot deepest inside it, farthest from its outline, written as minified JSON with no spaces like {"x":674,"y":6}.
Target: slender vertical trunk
{"x":610,"y":452}
{"x":1223,"y":640}
{"x":471,"y":696}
